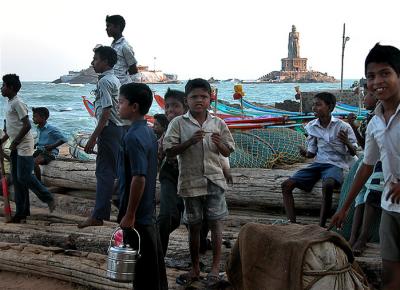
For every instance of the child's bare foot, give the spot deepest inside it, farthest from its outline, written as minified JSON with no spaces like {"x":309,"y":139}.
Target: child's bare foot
{"x":359,"y":247}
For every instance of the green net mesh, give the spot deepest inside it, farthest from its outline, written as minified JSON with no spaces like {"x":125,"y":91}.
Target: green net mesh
{"x":263,"y":148}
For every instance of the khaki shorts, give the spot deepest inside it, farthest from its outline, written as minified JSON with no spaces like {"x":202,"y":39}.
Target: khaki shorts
{"x":210,"y":207}
{"x":389,"y":233}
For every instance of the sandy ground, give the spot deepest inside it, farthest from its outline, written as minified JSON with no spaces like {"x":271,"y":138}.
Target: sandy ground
{"x":17,"y":281}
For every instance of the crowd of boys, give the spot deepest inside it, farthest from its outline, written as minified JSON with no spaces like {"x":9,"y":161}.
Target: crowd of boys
{"x":190,"y":153}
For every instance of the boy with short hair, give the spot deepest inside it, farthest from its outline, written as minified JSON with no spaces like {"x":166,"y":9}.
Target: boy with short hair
{"x":138,"y":173}
{"x":382,"y":70}
{"x":160,"y":124}
{"x":198,"y":139}
{"x":126,"y":64}
{"x":107,"y":134}
{"x":332,"y":142}
{"x":48,"y":139}
{"x":22,"y":164}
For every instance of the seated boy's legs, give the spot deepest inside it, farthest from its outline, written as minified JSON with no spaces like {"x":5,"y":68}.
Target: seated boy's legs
{"x":21,"y":192}
{"x":169,"y":217}
{"x":25,"y":176}
{"x":41,"y":158}
{"x":150,"y":267}
{"x":332,"y":177}
{"x":389,"y":232}
{"x":304,"y":179}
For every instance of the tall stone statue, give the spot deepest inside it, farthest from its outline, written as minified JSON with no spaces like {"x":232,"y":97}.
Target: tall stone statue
{"x":294,"y":44}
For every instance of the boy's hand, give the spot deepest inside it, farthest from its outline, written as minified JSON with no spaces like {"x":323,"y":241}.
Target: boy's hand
{"x":197,"y":137}
{"x":216,"y":138}
{"x":394,"y":193}
{"x":351,"y":118}
{"x":228,"y":176}
{"x":127,"y":222}
{"x":338,"y":219}
{"x":48,"y":147}
{"x":303,"y":151}
{"x":90,"y":145}
{"x":13,"y":145}
{"x":343,"y":137}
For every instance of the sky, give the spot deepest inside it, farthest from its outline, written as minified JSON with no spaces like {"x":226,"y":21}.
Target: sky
{"x":43,"y":39}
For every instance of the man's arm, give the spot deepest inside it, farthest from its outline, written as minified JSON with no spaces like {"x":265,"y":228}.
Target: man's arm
{"x":26,"y":126}
{"x":57,"y":135}
{"x":135,"y":195}
{"x":105,"y":116}
{"x":133,"y":69}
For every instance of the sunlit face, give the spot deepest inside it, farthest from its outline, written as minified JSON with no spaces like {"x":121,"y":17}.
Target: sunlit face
{"x":198,"y":100}
{"x":98,"y":64}
{"x":320,"y":108}
{"x":173,"y":108}
{"x":382,"y":81}
{"x":125,"y":109}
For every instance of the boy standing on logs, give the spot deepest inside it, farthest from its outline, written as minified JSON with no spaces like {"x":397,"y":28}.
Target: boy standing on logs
{"x":382,"y":70}
{"x":198,"y":139}
{"x":137,"y":178}
{"x":18,"y":130}
{"x":125,"y":67}
{"x":107,"y":134}
{"x":332,"y":142}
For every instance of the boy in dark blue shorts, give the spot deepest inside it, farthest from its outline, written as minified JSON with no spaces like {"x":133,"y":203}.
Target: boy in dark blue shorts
{"x":333,"y":144}
{"x":138,"y":173}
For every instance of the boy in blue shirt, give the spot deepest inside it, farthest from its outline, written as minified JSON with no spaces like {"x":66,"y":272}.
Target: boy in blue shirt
{"x":138,"y":173}
{"x":332,"y":142}
{"x":107,"y":134}
{"x":48,"y":139}
{"x":18,"y":131}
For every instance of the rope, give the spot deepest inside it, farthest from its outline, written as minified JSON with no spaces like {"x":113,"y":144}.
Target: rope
{"x":322,"y":274}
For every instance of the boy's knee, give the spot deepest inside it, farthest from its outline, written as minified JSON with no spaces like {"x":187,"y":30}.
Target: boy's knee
{"x":329,"y":183}
{"x":287,"y":185}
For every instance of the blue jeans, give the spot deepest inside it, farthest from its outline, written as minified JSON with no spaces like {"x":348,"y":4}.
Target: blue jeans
{"x":24,"y":179}
{"x":108,"y":147}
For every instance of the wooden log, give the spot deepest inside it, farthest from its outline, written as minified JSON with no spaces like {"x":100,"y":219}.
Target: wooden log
{"x":253,"y":188}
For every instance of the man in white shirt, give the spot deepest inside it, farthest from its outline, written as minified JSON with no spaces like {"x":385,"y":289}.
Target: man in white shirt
{"x":382,"y":69}
{"x":126,"y":63}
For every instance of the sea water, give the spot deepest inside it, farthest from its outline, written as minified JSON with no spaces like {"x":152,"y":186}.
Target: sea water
{"x":68,"y":113}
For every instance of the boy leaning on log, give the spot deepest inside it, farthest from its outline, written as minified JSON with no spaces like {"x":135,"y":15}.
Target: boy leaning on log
{"x":18,"y":131}
{"x":198,"y":139}
{"x":332,"y":142}
{"x":107,"y":134}
{"x":137,"y":177}
{"x":382,"y":70}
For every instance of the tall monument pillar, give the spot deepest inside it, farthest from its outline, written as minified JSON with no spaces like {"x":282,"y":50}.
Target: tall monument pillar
{"x":294,"y":63}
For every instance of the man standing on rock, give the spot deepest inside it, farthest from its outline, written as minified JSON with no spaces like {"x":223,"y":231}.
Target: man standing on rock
{"x":125,"y":67}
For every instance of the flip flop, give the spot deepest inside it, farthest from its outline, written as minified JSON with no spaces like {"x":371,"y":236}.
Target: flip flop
{"x":186,"y":279}
{"x":212,"y":280}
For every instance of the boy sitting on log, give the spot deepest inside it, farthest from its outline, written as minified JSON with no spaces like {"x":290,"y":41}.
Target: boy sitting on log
{"x":332,"y":142}
{"x":48,"y":139}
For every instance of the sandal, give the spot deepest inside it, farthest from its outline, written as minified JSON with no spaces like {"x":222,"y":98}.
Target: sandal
{"x":186,"y":279}
{"x":212,"y":280}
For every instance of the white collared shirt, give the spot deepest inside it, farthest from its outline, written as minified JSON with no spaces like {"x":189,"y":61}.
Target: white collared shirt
{"x":200,"y":161}
{"x":383,"y":143}
{"x":126,"y":58}
{"x":324,"y":142}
